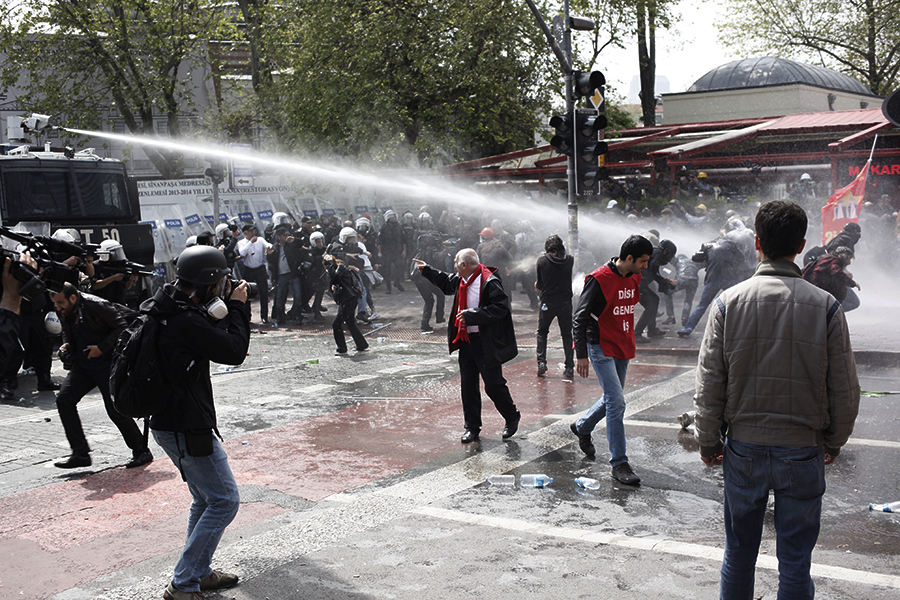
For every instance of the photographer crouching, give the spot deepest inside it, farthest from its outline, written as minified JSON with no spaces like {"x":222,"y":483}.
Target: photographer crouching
{"x":203,"y":319}
{"x":90,"y":332}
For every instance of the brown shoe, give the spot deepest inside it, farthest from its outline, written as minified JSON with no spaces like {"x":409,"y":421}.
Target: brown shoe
{"x":173,"y":593}
{"x":219,"y":580}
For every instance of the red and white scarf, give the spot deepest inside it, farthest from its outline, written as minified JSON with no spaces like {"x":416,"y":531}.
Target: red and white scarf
{"x":462,"y":300}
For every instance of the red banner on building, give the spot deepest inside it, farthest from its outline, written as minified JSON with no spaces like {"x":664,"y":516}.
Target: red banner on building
{"x":844,"y":205}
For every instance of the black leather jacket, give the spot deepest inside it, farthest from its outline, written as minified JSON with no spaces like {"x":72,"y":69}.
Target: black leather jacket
{"x":95,"y":319}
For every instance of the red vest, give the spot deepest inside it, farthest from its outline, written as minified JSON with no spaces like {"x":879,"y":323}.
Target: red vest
{"x":616,"y":322}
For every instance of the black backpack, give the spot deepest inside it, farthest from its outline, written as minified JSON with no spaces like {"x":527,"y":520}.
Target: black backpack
{"x":139,"y":379}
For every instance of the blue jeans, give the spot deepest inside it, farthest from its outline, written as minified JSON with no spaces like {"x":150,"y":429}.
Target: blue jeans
{"x":611,"y":374}
{"x":851,"y":301}
{"x":797,"y":475}
{"x":711,"y":289}
{"x":215,"y":505}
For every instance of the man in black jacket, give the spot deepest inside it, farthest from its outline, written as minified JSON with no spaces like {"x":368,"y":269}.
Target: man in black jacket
{"x":284,"y":263}
{"x":91,"y":328}
{"x":662,"y":254}
{"x":203,"y":320}
{"x":554,"y":284}
{"x":481,"y":328}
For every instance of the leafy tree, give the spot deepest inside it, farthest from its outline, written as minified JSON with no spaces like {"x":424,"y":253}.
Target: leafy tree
{"x":858,"y":37}
{"x":438,"y":81}
{"x":74,"y":59}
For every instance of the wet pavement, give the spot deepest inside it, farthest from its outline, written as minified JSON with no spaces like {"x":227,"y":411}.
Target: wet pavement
{"x":354,"y":483}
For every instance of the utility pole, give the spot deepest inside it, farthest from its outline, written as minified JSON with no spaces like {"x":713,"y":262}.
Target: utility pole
{"x":564,"y":57}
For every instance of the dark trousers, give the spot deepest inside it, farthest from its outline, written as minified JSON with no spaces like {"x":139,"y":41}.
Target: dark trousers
{"x":563,"y":316}
{"x":347,"y":314}
{"x":432,"y":295}
{"x":650,"y":302}
{"x":77,"y":384}
{"x":261,"y":279}
{"x":392,"y":270}
{"x":471,"y":365}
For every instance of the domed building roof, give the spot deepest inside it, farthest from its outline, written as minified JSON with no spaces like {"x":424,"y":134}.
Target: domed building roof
{"x":769,"y":71}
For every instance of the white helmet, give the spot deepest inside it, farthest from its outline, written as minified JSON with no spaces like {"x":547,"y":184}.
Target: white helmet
{"x":52,"y":324}
{"x":389,"y":214}
{"x":805,"y":177}
{"x":408,"y":218}
{"x":223,"y":231}
{"x":363,"y":224}
{"x":425,"y":220}
{"x":347,"y":233}
{"x":191,"y":241}
{"x":112,"y":250}
{"x":67,"y":235}
{"x":282,"y":218}
{"x":316,"y":237}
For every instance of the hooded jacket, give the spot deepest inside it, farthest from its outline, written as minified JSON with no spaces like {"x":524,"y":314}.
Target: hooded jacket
{"x":492,"y":315}
{"x":191,"y":340}
{"x":554,"y":279}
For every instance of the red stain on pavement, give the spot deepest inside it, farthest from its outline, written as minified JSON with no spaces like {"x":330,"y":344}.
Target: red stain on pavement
{"x":56,"y":537}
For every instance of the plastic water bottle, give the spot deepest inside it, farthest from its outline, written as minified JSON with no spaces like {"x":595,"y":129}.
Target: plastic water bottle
{"x":501,"y":479}
{"x":587,"y":483}
{"x":539,"y":480}
{"x":544,"y":307}
{"x":890,"y":507}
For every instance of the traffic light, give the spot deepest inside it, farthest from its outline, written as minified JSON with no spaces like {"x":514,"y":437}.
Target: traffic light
{"x":586,"y":82}
{"x":589,"y":147}
{"x":564,"y":140}
{"x":216,"y":174}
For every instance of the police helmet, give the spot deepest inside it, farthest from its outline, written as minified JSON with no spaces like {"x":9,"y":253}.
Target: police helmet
{"x":191,"y":241}
{"x":388,"y":215}
{"x":668,"y":247}
{"x":223,"y":231}
{"x":316,"y":237}
{"x":111,"y":250}
{"x":363,"y":224}
{"x":281,"y":218}
{"x":201,"y":265}
{"x":346,"y":234}
{"x":67,"y":235}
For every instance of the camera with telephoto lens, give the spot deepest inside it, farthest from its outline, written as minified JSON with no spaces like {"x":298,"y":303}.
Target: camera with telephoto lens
{"x":49,"y":273}
{"x":252,"y":288}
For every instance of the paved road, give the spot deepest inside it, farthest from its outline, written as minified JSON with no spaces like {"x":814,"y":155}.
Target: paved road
{"x":354,"y":485}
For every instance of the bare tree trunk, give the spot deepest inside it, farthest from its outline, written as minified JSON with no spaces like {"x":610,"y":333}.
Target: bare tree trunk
{"x":646,"y":30}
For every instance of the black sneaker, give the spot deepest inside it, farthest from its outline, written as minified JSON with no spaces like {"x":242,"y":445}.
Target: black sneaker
{"x":569,"y":373}
{"x":656,"y":333}
{"x":584,"y":441}
{"x":623,"y":474}
{"x":639,"y":339}
{"x":542,"y":368}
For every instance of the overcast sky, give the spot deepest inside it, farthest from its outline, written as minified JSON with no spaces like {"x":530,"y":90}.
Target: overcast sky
{"x":683,"y":56}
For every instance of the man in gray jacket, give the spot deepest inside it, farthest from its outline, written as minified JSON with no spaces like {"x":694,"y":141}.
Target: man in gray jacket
{"x":777,"y":397}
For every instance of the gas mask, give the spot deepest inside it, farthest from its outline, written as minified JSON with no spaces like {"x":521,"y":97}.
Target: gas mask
{"x":215,"y":306}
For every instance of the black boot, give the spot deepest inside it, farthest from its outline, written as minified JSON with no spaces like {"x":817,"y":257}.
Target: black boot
{"x":45,"y":384}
